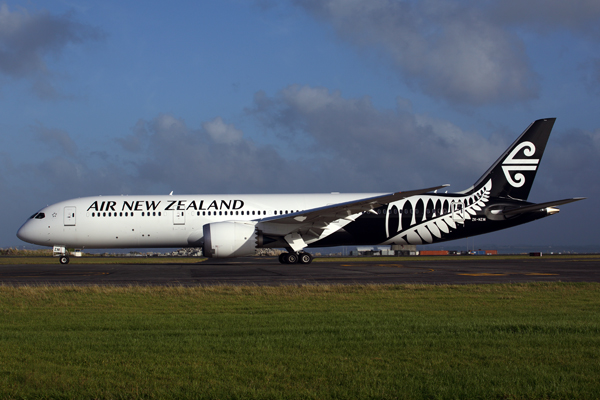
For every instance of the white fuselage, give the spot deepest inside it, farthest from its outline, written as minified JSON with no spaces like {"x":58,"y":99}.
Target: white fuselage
{"x":158,"y":221}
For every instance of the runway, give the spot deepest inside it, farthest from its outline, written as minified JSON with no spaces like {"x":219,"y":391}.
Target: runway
{"x":267,"y":271}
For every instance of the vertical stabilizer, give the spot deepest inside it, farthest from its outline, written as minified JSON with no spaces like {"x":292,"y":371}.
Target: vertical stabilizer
{"x":513,"y":173}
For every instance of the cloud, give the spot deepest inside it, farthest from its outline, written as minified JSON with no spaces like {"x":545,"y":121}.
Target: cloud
{"x":573,"y":160}
{"x":57,"y":138}
{"x":27,"y":38}
{"x":216,"y":158}
{"x":578,"y":16}
{"x":449,"y":50}
{"x":361,"y":146}
{"x":221,"y":132}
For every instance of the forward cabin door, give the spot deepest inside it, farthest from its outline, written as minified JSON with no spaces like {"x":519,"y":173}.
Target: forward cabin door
{"x":69,"y":216}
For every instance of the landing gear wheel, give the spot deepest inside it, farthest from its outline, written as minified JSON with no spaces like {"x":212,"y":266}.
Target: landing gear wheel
{"x":305,"y":258}
{"x":291,"y":258}
{"x":282,"y":258}
{"x":64,"y":259}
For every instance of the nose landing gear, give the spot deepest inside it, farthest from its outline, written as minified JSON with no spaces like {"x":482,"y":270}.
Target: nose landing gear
{"x":62,"y":254}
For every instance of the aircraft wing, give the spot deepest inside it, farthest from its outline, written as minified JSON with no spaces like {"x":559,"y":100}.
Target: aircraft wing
{"x":539,"y":206}
{"x":341,"y":210}
{"x":296,"y":228}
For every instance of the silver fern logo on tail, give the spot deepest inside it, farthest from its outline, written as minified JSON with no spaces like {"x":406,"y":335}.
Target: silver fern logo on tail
{"x":512,"y":164}
{"x":442,"y":220}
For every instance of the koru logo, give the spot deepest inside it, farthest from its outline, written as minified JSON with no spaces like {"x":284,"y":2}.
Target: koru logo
{"x":520,"y":164}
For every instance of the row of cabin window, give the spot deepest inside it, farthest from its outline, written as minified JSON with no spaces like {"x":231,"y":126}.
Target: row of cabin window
{"x":204,"y":213}
{"x":209,"y":213}
{"x":412,"y":211}
{"x":127,"y":214}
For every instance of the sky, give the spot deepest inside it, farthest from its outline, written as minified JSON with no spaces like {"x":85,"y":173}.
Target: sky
{"x":296,"y":96}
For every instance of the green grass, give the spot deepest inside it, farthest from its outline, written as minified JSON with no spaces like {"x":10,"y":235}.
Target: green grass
{"x":529,"y":341}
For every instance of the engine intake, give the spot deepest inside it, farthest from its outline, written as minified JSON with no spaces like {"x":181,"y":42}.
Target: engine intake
{"x":229,"y":239}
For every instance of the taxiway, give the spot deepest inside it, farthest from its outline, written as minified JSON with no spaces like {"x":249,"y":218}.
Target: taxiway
{"x":267,"y":271}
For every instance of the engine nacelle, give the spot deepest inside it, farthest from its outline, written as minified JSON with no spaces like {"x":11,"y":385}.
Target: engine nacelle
{"x":229,"y":239}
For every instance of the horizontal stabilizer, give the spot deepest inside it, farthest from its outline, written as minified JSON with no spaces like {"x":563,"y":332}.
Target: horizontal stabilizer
{"x":539,"y":206}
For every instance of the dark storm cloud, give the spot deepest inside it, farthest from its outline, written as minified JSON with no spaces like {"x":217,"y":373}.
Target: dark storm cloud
{"x":27,"y":38}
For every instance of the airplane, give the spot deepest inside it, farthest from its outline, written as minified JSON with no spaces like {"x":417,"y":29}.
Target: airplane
{"x":236,"y":225}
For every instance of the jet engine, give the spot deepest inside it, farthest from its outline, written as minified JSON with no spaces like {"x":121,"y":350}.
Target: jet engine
{"x":229,"y":239}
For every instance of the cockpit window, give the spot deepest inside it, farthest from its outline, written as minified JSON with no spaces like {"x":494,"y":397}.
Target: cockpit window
{"x":38,"y":215}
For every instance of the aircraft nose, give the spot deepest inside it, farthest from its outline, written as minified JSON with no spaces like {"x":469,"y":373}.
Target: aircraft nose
{"x":27,"y":233}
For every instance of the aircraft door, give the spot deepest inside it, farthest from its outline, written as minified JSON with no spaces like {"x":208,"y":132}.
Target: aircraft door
{"x":69,"y":216}
{"x":178,"y":217}
{"x":458,"y":212}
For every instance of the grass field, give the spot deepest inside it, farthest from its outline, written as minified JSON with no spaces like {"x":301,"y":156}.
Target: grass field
{"x":529,"y":341}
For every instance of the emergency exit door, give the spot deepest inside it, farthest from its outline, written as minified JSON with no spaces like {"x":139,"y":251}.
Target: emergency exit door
{"x":178,"y":217}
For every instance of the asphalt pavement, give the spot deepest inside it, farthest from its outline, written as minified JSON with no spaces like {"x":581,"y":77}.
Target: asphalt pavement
{"x":268,"y":271}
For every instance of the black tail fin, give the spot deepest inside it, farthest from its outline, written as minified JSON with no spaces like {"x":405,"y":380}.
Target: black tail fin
{"x":513,"y":173}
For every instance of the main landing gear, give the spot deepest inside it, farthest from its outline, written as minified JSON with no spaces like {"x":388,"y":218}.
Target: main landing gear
{"x":293,"y":258}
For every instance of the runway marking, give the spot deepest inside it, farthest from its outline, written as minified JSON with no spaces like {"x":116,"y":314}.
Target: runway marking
{"x":539,"y":273}
{"x":499,"y":274}
{"x":375,"y":265}
{"x":57,"y":274}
